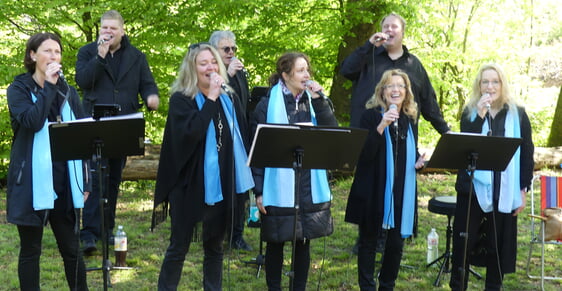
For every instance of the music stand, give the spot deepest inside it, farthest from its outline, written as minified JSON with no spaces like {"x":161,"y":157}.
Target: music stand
{"x":305,"y":147}
{"x":459,"y":151}
{"x":89,"y":138}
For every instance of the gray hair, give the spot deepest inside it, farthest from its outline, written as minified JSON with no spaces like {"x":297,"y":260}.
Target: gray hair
{"x":219,"y":35}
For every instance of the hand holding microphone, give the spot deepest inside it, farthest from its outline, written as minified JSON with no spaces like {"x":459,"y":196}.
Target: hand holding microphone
{"x":378,"y":38}
{"x":316,"y":88}
{"x":236,"y":65}
{"x":395,"y":108}
{"x":484,"y":104}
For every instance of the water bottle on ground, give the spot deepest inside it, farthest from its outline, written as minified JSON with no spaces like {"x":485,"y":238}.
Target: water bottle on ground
{"x":120,"y":247}
{"x":432,"y":245}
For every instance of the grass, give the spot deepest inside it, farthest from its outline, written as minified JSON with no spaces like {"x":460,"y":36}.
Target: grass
{"x":333,"y":266}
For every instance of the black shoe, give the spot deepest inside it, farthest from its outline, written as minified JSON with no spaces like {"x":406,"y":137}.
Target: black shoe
{"x":241,"y":245}
{"x":89,"y":247}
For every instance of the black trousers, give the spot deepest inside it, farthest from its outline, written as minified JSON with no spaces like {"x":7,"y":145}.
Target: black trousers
{"x":274,"y":265}
{"x":239,"y":217}
{"x":91,"y":215}
{"x":485,"y":241}
{"x":394,"y":244}
{"x":215,"y":222}
{"x":63,"y":225}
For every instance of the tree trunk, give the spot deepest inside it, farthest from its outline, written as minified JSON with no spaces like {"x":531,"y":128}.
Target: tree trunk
{"x":555,"y":137}
{"x":355,"y":37}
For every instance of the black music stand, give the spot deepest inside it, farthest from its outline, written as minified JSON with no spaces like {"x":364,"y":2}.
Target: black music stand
{"x":305,"y":147}
{"x":459,"y":151}
{"x":92,"y":139}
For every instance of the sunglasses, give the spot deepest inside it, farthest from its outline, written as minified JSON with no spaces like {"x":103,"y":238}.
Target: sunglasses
{"x":196,"y":45}
{"x":227,"y":49}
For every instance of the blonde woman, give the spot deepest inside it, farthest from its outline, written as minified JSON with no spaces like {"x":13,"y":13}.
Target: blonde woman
{"x":382,"y":200}
{"x":498,"y":197}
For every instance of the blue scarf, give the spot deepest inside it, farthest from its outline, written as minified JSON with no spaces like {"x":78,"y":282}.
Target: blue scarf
{"x":409,"y":199}
{"x":211,"y":169}
{"x":510,"y":188}
{"x":279,"y":183}
{"x":42,"y":167}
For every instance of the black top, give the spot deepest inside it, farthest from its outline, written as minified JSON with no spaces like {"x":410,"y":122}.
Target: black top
{"x":498,"y":129}
{"x":365,"y":67}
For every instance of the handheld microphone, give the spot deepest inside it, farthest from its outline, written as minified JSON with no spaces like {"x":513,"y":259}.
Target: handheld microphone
{"x":393,"y":106}
{"x":225,"y":88}
{"x":243,"y":69}
{"x":61,"y":75}
{"x":309,"y":83}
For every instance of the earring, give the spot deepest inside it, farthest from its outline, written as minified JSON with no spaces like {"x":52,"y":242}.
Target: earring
{"x":34,"y":59}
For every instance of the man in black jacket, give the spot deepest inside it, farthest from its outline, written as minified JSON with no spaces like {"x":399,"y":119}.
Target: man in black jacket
{"x":225,"y":43}
{"x":111,"y":71}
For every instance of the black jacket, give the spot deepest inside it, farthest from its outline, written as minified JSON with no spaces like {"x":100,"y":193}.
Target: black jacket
{"x":180,"y":170}
{"x":100,"y":85}
{"x":527,"y":148}
{"x":365,"y":205}
{"x":27,"y":118}
{"x":365,"y":66}
{"x":315,"y":219}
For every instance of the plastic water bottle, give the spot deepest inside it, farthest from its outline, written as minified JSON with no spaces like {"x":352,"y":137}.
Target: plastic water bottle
{"x":432,"y":245}
{"x":120,"y":247}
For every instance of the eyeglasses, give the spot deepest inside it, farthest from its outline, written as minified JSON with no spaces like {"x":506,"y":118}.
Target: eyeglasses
{"x":196,"y":45}
{"x":394,"y":86}
{"x":486,"y":83}
{"x":227,"y":49}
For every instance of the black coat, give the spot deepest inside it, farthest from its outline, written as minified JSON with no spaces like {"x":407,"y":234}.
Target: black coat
{"x":365,"y":205}
{"x":315,"y":219}
{"x":365,"y":66}
{"x":180,"y":170}
{"x":27,"y":118}
{"x":100,"y":85}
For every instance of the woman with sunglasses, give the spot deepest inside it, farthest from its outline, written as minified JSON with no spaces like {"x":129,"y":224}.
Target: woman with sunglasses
{"x":382,"y":199}
{"x":293,"y":98}
{"x":202,"y":165}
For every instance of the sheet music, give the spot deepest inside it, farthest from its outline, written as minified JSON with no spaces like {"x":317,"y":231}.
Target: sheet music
{"x":136,"y":115}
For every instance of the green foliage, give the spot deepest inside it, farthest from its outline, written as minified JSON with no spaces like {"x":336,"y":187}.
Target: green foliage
{"x":451,"y":37}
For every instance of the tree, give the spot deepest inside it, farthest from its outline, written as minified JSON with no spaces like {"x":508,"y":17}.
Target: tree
{"x":555,"y":137}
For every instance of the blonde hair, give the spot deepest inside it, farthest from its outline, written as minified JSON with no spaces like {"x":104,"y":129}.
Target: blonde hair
{"x":505,"y":95}
{"x":186,"y":82}
{"x":409,"y":105}
{"x":113,"y":15}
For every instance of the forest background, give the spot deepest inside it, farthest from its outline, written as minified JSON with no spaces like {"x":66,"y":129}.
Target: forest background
{"x":452,"y":38}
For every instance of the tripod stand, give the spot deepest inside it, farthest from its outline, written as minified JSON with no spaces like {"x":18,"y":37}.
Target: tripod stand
{"x":291,"y":142}
{"x":96,"y":139}
{"x":461,"y":151}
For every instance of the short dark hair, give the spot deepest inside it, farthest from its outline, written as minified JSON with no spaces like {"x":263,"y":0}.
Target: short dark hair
{"x":33,"y":44}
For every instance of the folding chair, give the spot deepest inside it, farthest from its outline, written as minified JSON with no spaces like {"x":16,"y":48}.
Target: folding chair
{"x":551,"y":196}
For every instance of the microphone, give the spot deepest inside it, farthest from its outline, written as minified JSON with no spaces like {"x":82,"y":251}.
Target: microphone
{"x":309,"y":83}
{"x":61,"y":75}
{"x":243,"y":69}
{"x":393,"y":106}
{"x":225,"y":88}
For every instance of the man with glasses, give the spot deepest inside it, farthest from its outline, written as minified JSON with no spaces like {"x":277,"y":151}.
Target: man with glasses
{"x":111,"y":71}
{"x":225,"y":43}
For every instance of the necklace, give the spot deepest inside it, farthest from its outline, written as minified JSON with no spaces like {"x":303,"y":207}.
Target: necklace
{"x":220,"y":127}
